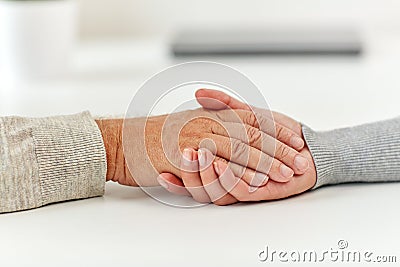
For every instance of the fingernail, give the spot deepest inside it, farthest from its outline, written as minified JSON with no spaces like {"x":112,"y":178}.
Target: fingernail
{"x":252,"y":189}
{"x":202,"y":157}
{"x":187,"y":156}
{"x":301,"y":163}
{"x":217,"y":169}
{"x":296,"y":142}
{"x":286,"y":171}
{"x":259,"y":179}
{"x":162,"y":182}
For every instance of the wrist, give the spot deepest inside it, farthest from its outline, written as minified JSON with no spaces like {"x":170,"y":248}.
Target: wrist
{"x":117,"y":171}
{"x":144,"y":151}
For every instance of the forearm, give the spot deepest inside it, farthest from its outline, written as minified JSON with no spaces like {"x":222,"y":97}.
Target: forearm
{"x":365,"y":153}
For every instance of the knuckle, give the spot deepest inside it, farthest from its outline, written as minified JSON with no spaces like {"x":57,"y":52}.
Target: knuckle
{"x":278,"y":131}
{"x":238,"y":148}
{"x":265,"y":163}
{"x":221,"y":159}
{"x":226,"y":146}
{"x":283,"y":151}
{"x":217,"y":128}
{"x":253,"y":135}
{"x":238,"y":170}
{"x":219,"y":115}
{"x":264,"y":123}
{"x":281,"y":133}
{"x":266,"y":141}
{"x":251,"y":119}
{"x":214,"y":127}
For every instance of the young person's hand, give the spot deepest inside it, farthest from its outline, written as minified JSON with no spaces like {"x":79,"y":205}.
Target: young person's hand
{"x":203,"y":185}
{"x":218,"y":184}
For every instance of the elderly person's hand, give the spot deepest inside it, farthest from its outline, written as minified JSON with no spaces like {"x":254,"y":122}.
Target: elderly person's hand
{"x":153,"y":145}
{"x":219,"y":184}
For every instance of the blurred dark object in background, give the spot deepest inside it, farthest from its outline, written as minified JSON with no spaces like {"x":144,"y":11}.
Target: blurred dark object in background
{"x":274,"y":41}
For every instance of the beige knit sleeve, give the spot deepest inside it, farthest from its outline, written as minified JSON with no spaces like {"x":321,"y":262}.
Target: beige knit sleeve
{"x":47,"y":160}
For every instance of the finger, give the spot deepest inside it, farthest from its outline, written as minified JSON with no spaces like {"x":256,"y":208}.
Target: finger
{"x":288,"y":136}
{"x":236,"y":151}
{"x":205,"y":98}
{"x":217,"y":100}
{"x":284,"y":120}
{"x":263,"y":123}
{"x":191,"y":177}
{"x":272,"y":190}
{"x":250,"y":176}
{"x":263,"y":142}
{"x":215,"y":191}
{"x":237,"y":187}
{"x":228,"y":180}
{"x":173,"y":184}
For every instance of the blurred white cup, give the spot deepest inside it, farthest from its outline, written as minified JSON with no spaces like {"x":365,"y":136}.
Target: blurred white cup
{"x":36,"y":38}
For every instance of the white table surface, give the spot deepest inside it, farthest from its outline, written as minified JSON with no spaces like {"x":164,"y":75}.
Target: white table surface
{"x":127,"y":228}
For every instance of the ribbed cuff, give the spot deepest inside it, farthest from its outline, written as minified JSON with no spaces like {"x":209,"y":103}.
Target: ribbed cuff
{"x":364,"y":153}
{"x":325,"y":157}
{"x":71,"y":158}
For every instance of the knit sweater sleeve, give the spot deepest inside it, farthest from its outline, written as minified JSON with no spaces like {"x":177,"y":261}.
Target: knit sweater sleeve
{"x":365,"y":153}
{"x":47,"y":160}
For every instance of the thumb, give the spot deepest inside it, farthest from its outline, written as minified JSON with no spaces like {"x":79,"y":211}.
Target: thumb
{"x":172,"y":184}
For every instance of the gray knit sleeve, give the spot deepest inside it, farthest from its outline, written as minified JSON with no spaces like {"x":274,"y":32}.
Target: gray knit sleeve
{"x":365,"y":153}
{"x":46,"y":160}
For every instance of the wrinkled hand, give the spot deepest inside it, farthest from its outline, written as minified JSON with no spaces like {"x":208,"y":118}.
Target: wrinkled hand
{"x":218,"y":184}
{"x":153,"y":145}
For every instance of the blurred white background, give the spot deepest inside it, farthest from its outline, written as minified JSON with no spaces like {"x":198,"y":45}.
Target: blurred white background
{"x":127,"y":18}
{"x":119,"y":44}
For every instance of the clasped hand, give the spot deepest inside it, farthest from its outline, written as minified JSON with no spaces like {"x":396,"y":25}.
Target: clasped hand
{"x":223,"y":153}
{"x":219,"y":183}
